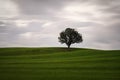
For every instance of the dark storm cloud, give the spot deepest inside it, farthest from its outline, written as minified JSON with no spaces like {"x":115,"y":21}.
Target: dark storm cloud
{"x":40,"y":7}
{"x":1,"y":23}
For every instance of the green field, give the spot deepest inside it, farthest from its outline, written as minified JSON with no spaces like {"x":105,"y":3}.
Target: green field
{"x":59,"y":64}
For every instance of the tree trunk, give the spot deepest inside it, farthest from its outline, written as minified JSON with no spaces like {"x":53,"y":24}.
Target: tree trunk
{"x":68,"y":46}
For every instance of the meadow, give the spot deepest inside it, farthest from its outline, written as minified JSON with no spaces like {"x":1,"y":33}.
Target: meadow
{"x":59,"y":64}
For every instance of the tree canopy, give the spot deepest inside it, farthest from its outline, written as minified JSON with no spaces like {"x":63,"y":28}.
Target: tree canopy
{"x":70,"y":36}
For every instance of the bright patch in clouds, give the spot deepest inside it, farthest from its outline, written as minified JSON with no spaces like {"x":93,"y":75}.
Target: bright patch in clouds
{"x":21,"y":23}
{"x":26,"y":35}
{"x":8,"y":9}
{"x":80,"y":12}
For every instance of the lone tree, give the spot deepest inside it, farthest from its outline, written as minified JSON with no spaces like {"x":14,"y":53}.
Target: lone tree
{"x":70,"y":36}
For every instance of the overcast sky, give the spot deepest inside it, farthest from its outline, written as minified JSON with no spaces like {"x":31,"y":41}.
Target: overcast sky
{"x":37,"y":23}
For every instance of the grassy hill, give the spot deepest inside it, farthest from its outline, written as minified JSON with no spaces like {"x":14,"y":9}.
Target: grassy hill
{"x":59,"y":64}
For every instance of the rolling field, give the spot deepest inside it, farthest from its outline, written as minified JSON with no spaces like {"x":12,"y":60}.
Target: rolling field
{"x":59,"y":64}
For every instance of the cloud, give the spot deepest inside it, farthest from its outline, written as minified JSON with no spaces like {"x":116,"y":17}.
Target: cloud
{"x":40,"y":7}
{"x":8,"y":9}
{"x":39,"y":22}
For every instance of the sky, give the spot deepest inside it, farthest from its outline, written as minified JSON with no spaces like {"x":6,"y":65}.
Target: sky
{"x":37,"y":23}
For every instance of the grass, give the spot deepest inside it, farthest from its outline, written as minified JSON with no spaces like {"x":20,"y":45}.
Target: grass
{"x":59,"y":64}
